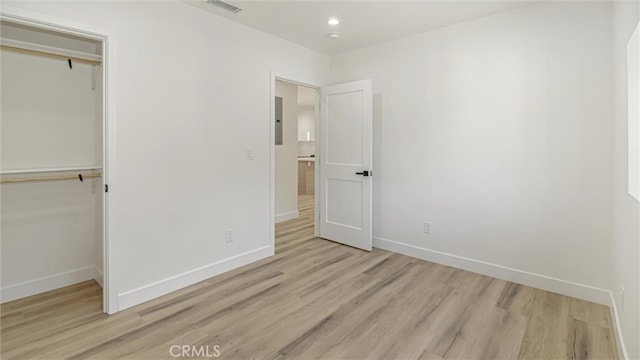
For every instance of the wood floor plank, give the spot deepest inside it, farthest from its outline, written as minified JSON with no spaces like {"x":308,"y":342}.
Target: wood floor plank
{"x":547,"y":334}
{"x":317,"y":299}
{"x":337,"y":332}
{"x":589,"y":341}
{"x":490,"y":334}
{"x":303,"y":323}
{"x":590,"y":312}
{"x":53,"y":296}
{"x":425,"y":324}
{"x":67,"y":343}
{"x":518,"y":298}
{"x":282,"y":309}
{"x":384,"y":323}
{"x":293,"y":325}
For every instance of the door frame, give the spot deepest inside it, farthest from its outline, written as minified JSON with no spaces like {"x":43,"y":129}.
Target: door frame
{"x":281,"y":76}
{"x":109,"y":134}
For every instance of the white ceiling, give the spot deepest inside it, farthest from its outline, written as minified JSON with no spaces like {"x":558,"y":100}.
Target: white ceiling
{"x":362,"y":22}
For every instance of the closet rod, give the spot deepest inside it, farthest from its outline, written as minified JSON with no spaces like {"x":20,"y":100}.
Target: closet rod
{"x":75,"y":169}
{"x":49,"y":54}
{"x":50,"y":178}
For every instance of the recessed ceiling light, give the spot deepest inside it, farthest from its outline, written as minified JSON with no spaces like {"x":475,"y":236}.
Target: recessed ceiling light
{"x":334,"y":35}
{"x":333,"y":21}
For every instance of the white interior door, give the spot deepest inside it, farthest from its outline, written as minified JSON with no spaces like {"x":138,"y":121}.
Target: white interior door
{"x":345,"y":163}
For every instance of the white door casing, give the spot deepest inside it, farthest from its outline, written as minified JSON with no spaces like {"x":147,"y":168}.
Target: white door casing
{"x":345,"y":191}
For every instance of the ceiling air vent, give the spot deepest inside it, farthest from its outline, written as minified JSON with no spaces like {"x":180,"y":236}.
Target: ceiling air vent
{"x":224,"y":6}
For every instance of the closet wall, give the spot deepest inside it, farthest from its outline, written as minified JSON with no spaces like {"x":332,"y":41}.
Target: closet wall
{"x":50,"y":119}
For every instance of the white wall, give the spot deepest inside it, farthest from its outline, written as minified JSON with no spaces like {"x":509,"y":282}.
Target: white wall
{"x":48,"y":120}
{"x":306,"y":125}
{"x":306,"y":148}
{"x":287,"y":155}
{"x":498,"y":131}
{"x":48,"y":113}
{"x":193,"y":94}
{"x":306,"y":120}
{"x":626,"y":209}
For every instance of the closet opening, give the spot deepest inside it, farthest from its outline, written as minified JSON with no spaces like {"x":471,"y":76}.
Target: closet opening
{"x":53,"y":162}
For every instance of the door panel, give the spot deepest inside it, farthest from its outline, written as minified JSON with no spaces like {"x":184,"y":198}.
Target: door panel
{"x":345,"y":135}
{"x":344,"y":128}
{"x":344,"y":206}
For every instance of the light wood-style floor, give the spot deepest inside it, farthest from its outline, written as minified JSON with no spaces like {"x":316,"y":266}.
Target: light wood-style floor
{"x":317,"y":300}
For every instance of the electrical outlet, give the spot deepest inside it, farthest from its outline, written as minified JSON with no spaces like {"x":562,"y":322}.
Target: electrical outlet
{"x":427,"y":227}
{"x":622,"y":298}
{"x":228,"y":236}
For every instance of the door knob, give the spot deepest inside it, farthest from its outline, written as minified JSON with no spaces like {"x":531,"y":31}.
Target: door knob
{"x":363,"y":173}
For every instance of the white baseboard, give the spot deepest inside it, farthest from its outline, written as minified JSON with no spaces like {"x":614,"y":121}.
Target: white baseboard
{"x":564,"y":287}
{"x":98,"y":276}
{"x":37,"y":286}
{"x":622,"y":349}
{"x":286,"y":216}
{"x":163,"y":287}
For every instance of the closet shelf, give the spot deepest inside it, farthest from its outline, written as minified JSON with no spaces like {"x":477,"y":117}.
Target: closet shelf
{"x":37,"y":49}
{"x":50,"y":170}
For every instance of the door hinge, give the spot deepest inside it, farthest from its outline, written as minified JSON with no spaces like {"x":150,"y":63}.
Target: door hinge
{"x":106,"y":188}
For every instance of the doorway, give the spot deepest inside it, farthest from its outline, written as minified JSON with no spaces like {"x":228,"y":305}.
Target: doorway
{"x":295,"y":168}
{"x":343,"y":187}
